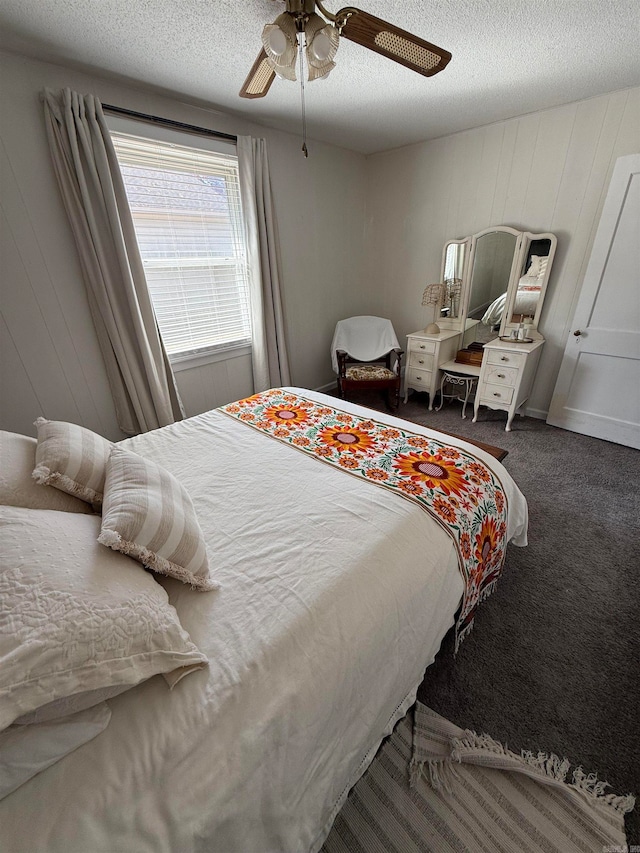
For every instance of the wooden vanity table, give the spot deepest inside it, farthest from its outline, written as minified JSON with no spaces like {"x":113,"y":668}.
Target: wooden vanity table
{"x":504,"y":274}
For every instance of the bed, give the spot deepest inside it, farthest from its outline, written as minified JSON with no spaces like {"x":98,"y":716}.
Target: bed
{"x":335,"y":594}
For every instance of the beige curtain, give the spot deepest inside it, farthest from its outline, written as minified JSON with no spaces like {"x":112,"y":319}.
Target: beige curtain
{"x":269,"y":351}
{"x":140,"y":375}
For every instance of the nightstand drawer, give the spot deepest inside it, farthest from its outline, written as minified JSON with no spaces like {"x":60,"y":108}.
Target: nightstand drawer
{"x":505,"y":357}
{"x":496,"y":393}
{"x":420,"y":360}
{"x":419,"y":379}
{"x":501,"y":375}
{"x":422,"y":346}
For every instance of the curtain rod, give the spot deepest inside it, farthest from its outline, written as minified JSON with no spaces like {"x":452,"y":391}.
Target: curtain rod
{"x":180,"y":125}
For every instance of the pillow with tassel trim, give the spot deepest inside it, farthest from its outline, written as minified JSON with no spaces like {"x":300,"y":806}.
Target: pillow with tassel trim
{"x":147,"y":514}
{"x":71,"y":458}
{"x":17,"y":487}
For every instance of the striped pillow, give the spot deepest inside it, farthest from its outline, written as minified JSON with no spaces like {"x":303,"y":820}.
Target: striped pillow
{"x":147,"y":514}
{"x":71,"y":458}
{"x":17,"y":488}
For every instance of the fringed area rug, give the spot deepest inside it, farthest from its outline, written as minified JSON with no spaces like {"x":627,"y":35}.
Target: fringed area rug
{"x":436,"y":788}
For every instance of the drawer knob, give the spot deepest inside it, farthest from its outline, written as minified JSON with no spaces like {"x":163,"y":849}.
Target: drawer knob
{"x":418,"y":377}
{"x":504,"y":358}
{"x":421,"y":361}
{"x":500,"y":375}
{"x":496,"y":394}
{"x":421,"y":346}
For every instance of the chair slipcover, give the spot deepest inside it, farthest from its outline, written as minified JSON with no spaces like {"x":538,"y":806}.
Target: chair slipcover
{"x":364,"y":338}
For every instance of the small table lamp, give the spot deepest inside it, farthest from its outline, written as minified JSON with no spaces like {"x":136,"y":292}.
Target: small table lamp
{"x":434,"y":294}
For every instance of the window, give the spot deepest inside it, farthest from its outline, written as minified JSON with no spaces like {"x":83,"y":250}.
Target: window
{"x":185,"y":203}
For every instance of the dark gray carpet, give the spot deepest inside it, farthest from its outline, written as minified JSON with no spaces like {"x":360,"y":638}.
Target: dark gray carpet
{"x":553,"y":662}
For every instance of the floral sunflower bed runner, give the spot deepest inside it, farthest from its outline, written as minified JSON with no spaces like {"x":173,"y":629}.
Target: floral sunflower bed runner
{"x":454,"y":487}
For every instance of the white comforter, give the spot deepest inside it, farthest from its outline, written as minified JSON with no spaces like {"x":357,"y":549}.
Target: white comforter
{"x":335,"y":597}
{"x":527,"y":296}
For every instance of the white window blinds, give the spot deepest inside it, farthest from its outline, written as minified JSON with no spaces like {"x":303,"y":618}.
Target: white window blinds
{"x":187,"y":215}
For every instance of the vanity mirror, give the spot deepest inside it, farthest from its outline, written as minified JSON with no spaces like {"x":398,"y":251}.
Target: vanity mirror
{"x":505,"y":282}
{"x":523,"y":302}
{"x":455,"y":259}
{"x":493,"y":257}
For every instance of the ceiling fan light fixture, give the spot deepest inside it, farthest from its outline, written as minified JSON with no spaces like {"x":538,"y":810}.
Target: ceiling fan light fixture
{"x":301,"y":33}
{"x":320,"y":48}
{"x":322,"y":42}
{"x":285,"y":72}
{"x":322,"y":72}
{"x":280,"y":43}
{"x":277,"y":41}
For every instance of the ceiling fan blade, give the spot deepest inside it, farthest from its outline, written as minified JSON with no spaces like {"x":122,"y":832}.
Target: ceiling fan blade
{"x":390,"y":41}
{"x":259,"y":78}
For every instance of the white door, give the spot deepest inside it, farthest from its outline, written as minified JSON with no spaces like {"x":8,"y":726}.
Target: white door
{"x":598,"y":388}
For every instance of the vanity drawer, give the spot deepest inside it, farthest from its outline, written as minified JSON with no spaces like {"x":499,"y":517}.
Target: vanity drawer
{"x":505,"y":357}
{"x":420,"y":360}
{"x":499,"y":375}
{"x":496,"y":393}
{"x":422,"y":346}
{"x":419,"y":379}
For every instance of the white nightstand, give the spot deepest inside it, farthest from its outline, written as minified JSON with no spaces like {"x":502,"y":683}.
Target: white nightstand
{"x":506,"y":377}
{"x":425,"y":354}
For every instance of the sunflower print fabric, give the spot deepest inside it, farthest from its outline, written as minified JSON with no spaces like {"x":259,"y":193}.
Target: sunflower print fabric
{"x":454,"y":487}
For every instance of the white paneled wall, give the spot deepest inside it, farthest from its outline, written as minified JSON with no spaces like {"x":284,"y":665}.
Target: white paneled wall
{"x":548,"y":171}
{"x":211,"y":385}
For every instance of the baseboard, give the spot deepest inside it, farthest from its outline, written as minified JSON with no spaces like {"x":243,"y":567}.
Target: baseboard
{"x":540,"y":414}
{"x":324,"y":388}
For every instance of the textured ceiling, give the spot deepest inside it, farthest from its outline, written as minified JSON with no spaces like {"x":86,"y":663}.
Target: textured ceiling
{"x":509,"y":57}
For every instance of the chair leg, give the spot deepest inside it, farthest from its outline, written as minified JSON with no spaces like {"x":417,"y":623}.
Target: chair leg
{"x":394,"y":396}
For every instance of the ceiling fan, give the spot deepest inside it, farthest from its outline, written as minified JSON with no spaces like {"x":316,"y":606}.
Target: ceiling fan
{"x":300,"y":28}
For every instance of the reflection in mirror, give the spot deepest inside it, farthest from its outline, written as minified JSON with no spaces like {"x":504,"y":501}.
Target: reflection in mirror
{"x":453,"y":292}
{"x":504,"y":275}
{"x":530,"y":281}
{"x":452,"y":271}
{"x":492,"y":264}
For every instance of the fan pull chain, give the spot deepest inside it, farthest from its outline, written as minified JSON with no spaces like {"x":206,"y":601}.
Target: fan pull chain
{"x":304,"y":111}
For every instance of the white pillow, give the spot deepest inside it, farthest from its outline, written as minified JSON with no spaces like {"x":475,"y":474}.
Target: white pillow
{"x":71,"y":458}
{"x":147,"y":514}
{"x":17,"y":487}
{"x":26,"y":750}
{"x":538,"y":265}
{"x":77,"y":617}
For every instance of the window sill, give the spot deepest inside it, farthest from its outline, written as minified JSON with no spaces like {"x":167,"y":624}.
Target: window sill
{"x":187,"y":362}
